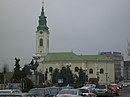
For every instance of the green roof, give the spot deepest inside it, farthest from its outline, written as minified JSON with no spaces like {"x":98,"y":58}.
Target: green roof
{"x":62,"y":56}
{"x":70,"y":56}
{"x":95,"y":58}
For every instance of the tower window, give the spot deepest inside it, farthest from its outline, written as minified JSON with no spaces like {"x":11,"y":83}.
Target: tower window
{"x":48,"y":43}
{"x":41,"y":42}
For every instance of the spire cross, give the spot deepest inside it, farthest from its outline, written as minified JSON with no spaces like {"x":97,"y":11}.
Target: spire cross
{"x":42,"y":3}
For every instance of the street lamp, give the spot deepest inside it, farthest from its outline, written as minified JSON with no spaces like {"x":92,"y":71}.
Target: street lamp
{"x":68,"y":68}
{"x":98,"y":71}
{"x":106,"y":73}
{"x":86,"y":74}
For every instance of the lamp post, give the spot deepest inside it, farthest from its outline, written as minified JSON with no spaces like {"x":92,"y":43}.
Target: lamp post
{"x":68,"y":68}
{"x":106,"y":74}
{"x":97,"y":71}
{"x":86,"y":74}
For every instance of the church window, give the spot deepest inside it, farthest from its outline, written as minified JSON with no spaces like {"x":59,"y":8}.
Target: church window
{"x":91,"y":71}
{"x":101,"y":71}
{"x":48,"y":43}
{"x":41,"y":42}
{"x":76,"y":69}
{"x":50,"y":69}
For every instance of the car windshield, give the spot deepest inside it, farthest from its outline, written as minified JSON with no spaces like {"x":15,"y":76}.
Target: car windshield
{"x":100,"y":86}
{"x":35,"y":91}
{"x":54,"y":91}
{"x":67,"y":87}
{"x":113,"y":85}
{"x":84,"y":90}
{"x":68,"y":92}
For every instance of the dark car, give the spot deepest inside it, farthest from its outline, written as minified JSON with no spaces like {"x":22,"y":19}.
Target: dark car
{"x":67,"y":87}
{"x":41,"y":92}
{"x":103,"y":90}
{"x":54,"y":90}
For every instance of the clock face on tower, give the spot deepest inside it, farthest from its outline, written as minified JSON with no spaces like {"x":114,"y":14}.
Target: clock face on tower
{"x":41,"y":32}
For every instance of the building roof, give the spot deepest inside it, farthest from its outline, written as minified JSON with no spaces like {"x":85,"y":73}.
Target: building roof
{"x":70,"y":56}
{"x":62,"y":56}
{"x":95,"y":58}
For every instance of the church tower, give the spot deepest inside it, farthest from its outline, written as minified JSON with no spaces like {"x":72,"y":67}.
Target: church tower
{"x":42,"y":35}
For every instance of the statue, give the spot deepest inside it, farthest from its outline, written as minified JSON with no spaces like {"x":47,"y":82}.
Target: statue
{"x":33,"y":66}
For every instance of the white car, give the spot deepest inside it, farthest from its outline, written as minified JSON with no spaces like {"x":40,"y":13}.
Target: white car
{"x":17,"y":95}
{"x":70,"y":93}
{"x":92,"y":86}
{"x":10,"y":91}
{"x":88,"y":92}
{"x":125,"y":84}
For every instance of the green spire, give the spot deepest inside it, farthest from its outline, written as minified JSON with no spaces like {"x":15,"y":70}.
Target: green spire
{"x":42,"y":21}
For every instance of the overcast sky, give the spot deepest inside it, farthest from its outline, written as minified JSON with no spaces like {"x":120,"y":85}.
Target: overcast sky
{"x":82,"y":26}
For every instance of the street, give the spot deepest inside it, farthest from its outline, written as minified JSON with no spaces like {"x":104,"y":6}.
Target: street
{"x":125,"y":92}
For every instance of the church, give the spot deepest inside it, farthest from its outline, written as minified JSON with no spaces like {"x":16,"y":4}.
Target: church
{"x":100,"y":65}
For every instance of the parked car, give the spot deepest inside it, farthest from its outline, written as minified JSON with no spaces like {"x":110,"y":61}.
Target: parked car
{"x":17,"y":95}
{"x":67,"y":87}
{"x":92,"y":86}
{"x":87,"y":92}
{"x":115,"y":89}
{"x":103,"y":90}
{"x":125,"y":84}
{"x":70,"y":93}
{"x":120,"y":85}
{"x":54,"y":90}
{"x":10,"y":91}
{"x":44,"y":92}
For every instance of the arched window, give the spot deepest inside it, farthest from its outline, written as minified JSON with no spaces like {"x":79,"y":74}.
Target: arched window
{"x":101,"y":71}
{"x":50,"y":69}
{"x":76,"y":69}
{"x":41,"y":42}
{"x":91,"y":71}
